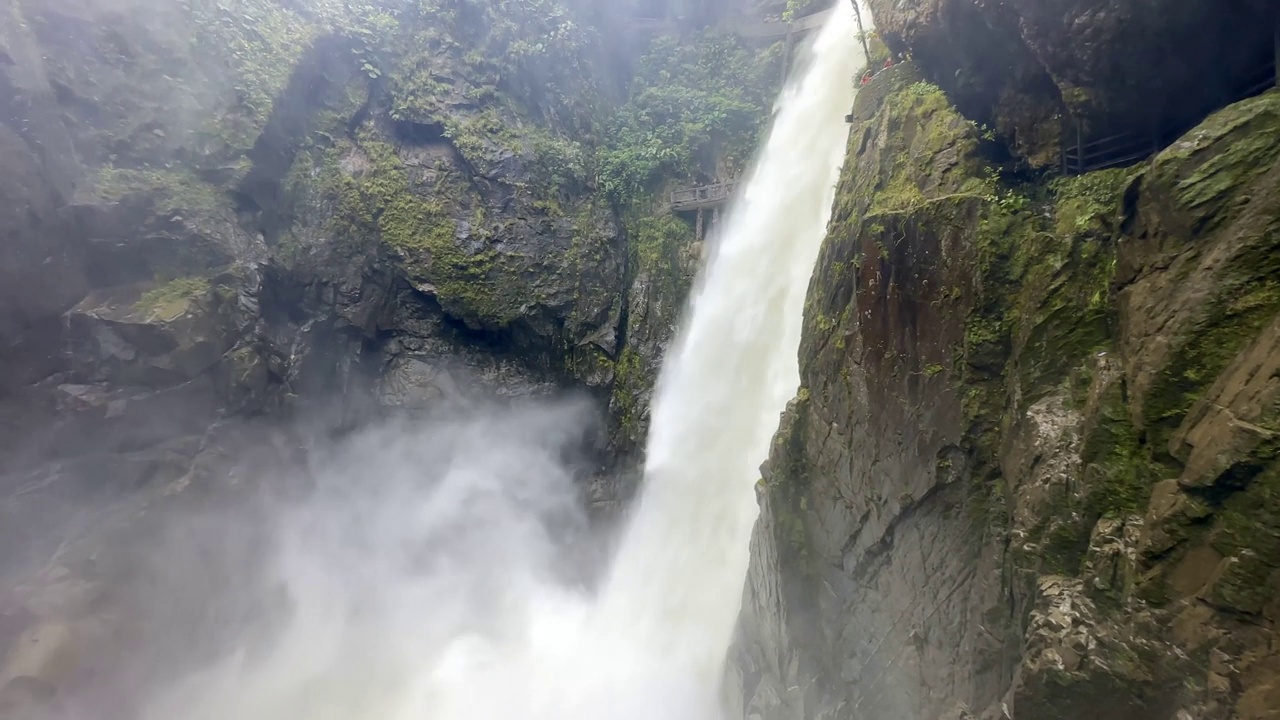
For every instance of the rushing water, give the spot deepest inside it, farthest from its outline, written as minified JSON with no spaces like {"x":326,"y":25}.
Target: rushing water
{"x":677,"y":582}
{"x":484,"y":632}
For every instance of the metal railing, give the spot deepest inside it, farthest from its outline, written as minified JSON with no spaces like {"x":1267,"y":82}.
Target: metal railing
{"x":704,"y":196}
{"x":1127,"y":148}
{"x":1112,"y":151}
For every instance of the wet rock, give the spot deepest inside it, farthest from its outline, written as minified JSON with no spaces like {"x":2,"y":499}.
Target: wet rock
{"x":1025,"y":65}
{"x":1074,"y":663}
{"x":1100,"y":514}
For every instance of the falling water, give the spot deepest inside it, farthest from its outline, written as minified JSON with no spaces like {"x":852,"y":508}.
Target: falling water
{"x":680,"y":571}
{"x":677,"y":582}
{"x":477,"y":628}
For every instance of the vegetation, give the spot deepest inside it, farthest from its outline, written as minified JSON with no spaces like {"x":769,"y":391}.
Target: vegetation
{"x":176,"y":190}
{"x":419,"y":226}
{"x":800,"y":8}
{"x":516,"y":89}
{"x":695,"y":104}
{"x":1085,"y":200}
{"x":169,"y":300}
{"x":261,"y":42}
{"x":631,"y":384}
{"x":533,"y":51}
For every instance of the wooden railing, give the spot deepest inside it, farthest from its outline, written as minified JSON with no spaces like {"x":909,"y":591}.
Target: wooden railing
{"x":705,"y":196}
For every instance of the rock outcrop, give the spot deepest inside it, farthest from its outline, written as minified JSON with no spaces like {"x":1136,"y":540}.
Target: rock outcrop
{"x":1032,"y":69}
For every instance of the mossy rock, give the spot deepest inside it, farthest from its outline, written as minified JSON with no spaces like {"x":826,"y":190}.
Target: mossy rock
{"x":170,"y":300}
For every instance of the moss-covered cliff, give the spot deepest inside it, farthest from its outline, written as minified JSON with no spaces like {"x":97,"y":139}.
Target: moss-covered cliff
{"x":1027,"y":474}
{"x":422,"y":200}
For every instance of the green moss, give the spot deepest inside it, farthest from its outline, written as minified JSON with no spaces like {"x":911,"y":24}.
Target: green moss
{"x":175,"y":191}
{"x":1063,"y":544}
{"x":631,"y":382}
{"x":170,"y":300}
{"x":930,"y":128}
{"x":1064,"y":309}
{"x":1225,"y":153}
{"x":469,"y":282}
{"x":1087,"y":202}
{"x":1248,"y":531}
{"x":1041,"y":301}
{"x":1078,"y":99}
{"x":1118,"y":470}
{"x":481,"y":135}
{"x":1247,"y":298}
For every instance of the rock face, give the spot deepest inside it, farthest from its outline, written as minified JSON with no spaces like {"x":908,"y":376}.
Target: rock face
{"x":1031,"y":68}
{"x":1029,"y":471}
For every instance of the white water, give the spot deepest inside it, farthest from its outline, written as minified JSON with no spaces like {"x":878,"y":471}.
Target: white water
{"x":486,"y":633}
{"x":677,"y":582}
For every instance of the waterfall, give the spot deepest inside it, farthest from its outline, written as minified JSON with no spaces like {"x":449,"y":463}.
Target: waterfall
{"x":677,"y":581}
{"x":419,"y":584}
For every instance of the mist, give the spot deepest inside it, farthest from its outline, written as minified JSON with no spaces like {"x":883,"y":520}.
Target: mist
{"x":434,"y":569}
{"x":361,"y":579}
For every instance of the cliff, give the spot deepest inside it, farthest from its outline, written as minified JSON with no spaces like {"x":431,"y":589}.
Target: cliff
{"x":1029,"y":472}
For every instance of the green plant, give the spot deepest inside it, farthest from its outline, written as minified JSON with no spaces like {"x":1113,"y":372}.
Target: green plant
{"x":169,"y":300}
{"x":922,"y":88}
{"x":694,"y":103}
{"x":800,"y":8}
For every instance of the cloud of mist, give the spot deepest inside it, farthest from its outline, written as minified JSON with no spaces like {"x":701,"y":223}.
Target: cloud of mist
{"x":425,"y":556}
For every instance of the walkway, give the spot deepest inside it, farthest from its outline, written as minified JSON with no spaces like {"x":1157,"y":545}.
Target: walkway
{"x":700,"y":199}
{"x":1082,"y":153}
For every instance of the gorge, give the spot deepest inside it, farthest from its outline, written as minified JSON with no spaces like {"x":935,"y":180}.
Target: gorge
{"x":359,"y":361}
